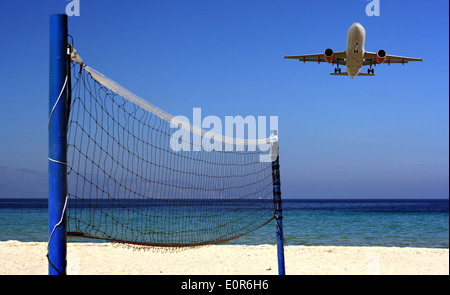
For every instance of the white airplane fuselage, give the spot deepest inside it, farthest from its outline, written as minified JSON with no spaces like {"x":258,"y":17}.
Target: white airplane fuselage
{"x":356,"y":36}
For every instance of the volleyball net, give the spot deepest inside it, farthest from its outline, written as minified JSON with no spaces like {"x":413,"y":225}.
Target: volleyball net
{"x":127,"y":183}
{"x":124,"y":180}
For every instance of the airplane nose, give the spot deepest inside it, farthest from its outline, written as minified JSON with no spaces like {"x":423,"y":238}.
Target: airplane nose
{"x":357,"y":27}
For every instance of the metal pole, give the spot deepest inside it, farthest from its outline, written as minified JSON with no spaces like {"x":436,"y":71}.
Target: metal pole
{"x":278,"y":210}
{"x":57,"y":145}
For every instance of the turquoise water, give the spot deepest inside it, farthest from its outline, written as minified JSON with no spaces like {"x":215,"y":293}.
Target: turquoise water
{"x":361,"y":229}
{"x":400,"y":223}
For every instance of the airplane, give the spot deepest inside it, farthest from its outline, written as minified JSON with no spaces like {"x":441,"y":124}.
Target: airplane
{"x":354,"y":57}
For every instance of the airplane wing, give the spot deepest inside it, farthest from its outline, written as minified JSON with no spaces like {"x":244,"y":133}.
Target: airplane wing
{"x":319,"y":57}
{"x":370,"y":57}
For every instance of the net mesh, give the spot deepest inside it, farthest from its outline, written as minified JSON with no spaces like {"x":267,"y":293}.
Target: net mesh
{"x":126,"y":184}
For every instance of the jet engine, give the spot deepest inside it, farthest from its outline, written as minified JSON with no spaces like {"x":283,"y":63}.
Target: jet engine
{"x":329,"y":55}
{"x":381,"y":56}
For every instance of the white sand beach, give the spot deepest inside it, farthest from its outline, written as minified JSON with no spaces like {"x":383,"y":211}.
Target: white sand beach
{"x":29,"y":258}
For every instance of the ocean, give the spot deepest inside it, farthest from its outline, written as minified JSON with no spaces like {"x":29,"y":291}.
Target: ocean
{"x":387,"y":223}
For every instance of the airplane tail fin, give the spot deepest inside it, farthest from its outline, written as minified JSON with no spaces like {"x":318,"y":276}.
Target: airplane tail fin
{"x":346,"y":74}
{"x":339,"y":74}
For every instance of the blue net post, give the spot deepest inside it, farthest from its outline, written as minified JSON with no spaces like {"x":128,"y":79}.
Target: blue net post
{"x":57,"y":145}
{"x":277,"y":202}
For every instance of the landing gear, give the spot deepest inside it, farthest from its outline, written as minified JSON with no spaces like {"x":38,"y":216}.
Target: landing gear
{"x":356,"y":47}
{"x":370,"y":70}
{"x":337,"y":69}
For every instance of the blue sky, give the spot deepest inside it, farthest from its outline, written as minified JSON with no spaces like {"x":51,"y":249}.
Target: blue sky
{"x":370,"y":137}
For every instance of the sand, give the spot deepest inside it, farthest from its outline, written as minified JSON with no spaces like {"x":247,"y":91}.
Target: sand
{"x":20,"y":258}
